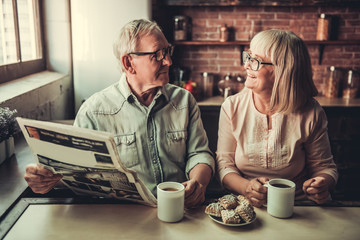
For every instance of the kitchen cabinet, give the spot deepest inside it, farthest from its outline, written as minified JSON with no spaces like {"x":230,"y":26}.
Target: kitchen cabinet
{"x":344,"y":135}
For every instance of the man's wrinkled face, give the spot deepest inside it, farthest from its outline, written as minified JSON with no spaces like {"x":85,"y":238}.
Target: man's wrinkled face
{"x":149,"y":71}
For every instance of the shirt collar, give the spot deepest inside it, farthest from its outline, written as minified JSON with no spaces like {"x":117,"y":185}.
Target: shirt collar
{"x":124,"y":88}
{"x":129,"y":96}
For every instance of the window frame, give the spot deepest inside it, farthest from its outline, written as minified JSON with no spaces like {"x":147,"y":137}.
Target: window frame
{"x":12,"y":71}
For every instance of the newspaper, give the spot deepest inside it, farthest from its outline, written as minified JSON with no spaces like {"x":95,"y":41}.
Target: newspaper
{"x":87,"y":159}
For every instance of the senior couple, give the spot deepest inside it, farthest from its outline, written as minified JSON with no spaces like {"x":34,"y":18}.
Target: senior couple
{"x":272,"y":128}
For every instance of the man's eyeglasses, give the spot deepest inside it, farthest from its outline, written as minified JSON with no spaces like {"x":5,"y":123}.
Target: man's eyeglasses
{"x":253,"y":62}
{"x":159,"y":54}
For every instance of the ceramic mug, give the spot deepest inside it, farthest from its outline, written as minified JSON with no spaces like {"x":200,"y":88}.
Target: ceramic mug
{"x":170,"y":201}
{"x":280,"y":197}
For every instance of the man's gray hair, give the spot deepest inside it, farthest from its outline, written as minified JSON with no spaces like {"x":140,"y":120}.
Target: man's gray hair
{"x":130,"y":35}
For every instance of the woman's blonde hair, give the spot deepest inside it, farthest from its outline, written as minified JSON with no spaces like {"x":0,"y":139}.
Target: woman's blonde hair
{"x":293,"y":86}
{"x":130,"y":35}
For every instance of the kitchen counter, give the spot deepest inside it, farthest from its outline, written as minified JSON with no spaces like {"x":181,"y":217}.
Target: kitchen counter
{"x":325,"y":102}
{"x":66,"y":220}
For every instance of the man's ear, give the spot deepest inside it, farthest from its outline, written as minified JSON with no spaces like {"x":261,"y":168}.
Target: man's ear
{"x":126,"y":61}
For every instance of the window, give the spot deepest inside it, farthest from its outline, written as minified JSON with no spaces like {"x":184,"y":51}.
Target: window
{"x":21,"y":51}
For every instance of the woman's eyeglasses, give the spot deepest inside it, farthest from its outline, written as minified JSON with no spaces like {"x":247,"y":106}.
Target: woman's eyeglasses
{"x":253,"y":62}
{"x":159,"y":54}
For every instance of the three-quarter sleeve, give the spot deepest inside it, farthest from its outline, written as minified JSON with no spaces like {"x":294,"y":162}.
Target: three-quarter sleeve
{"x":226,"y":146}
{"x":317,"y":147}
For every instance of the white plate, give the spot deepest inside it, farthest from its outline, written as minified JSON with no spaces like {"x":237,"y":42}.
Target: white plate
{"x":219,"y":220}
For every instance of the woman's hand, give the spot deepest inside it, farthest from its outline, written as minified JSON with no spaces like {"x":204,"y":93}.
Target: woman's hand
{"x":194,"y":193}
{"x":317,"y":189}
{"x":40,"y":179}
{"x":256,"y":192}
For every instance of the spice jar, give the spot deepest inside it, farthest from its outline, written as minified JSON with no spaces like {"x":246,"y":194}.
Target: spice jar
{"x":351,"y":86}
{"x":323,"y":28}
{"x":181,"y":28}
{"x":224,"y":33}
{"x":333,"y":83}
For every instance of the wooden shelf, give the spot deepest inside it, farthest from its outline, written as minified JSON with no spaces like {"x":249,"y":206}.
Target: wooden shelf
{"x":246,"y":43}
{"x":242,"y":44}
{"x":261,"y":3}
{"x":204,"y":43}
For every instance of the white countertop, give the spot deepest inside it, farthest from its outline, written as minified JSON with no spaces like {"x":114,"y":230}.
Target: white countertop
{"x":132,"y":221}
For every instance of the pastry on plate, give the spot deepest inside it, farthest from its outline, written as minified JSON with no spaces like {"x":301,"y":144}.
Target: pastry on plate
{"x":245,"y":211}
{"x":230,"y":217}
{"x":228,"y":201}
{"x":214,"y":209}
{"x":244,"y":201}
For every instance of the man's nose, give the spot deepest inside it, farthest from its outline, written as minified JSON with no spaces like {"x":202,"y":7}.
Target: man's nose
{"x":167,"y":60}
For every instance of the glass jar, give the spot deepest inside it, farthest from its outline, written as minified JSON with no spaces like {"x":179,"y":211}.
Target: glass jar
{"x":351,"y":86}
{"x":181,"y":28}
{"x":323,"y":28}
{"x":333,"y":83}
{"x":207,"y":84}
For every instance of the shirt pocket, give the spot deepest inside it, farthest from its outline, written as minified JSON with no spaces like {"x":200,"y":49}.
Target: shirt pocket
{"x":126,"y":146}
{"x":176,"y":141}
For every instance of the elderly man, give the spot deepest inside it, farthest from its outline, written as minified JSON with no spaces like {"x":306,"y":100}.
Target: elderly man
{"x":156,"y":125}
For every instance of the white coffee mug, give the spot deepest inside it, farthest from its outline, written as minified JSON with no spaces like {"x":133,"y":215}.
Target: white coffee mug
{"x":170,"y":201}
{"x":280,"y":197}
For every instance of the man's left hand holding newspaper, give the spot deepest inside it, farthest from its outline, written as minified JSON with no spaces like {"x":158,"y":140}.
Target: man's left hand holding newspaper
{"x":40,"y":179}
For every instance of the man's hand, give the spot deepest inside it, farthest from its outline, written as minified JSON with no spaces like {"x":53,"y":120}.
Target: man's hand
{"x":39,"y":179}
{"x":194,"y":193}
{"x":195,"y":188}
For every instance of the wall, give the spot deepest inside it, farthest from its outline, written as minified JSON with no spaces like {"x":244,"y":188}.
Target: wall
{"x":301,"y":20}
{"x":47,"y":95}
{"x":95,"y":25}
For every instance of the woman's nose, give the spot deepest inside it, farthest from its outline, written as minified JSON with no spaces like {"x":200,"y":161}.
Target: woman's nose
{"x":247,"y":64}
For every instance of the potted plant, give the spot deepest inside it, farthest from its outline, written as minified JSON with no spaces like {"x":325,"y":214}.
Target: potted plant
{"x":8,"y":128}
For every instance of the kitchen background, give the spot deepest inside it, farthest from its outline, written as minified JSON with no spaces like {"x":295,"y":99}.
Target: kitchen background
{"x":245,"y":18}
{"x":78,"y":37}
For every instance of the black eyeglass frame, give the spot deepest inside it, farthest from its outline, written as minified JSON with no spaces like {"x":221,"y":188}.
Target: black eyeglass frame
{"x":168,"y":50}
{"x":246,"y":57}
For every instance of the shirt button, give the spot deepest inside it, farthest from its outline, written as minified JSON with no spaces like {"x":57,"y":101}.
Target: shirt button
{"x":151,"y":139}
{"x":154,"y":161}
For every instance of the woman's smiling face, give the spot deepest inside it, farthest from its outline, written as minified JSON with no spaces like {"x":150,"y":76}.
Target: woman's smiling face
{"x":261,"y":81}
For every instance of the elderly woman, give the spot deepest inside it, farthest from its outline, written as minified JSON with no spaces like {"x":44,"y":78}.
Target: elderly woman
{"x":156,"y":125}
{"x":274,"y":128}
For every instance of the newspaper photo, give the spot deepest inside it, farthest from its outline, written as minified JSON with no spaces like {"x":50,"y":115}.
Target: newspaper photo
{"x":87,"y":159}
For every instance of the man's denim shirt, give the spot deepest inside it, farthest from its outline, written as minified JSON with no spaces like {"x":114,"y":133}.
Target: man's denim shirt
{"x":161,"y":142}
